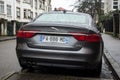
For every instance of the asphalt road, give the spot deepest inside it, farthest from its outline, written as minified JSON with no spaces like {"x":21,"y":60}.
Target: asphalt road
{"x":8,"y":59}
{"x":9,"y":63}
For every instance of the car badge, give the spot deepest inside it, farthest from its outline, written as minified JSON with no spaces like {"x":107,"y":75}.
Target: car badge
{"x":55,"y":28}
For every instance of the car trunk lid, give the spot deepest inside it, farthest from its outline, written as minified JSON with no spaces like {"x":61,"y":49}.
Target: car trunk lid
{"x":56,"y":37}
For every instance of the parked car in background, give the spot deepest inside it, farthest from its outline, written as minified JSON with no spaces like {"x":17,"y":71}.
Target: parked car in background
{"x":60,"y":39}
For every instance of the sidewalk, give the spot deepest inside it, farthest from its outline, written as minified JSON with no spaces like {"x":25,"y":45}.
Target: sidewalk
{"x":4,"y":38}
{"x":112,"y":52}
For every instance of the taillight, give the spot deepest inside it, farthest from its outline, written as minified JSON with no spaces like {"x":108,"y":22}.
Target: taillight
{"x":93,"y":38}
{"x":25,"y":34}
{"x":87,"y":37}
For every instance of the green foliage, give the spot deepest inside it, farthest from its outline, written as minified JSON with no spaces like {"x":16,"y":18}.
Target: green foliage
{"x":92,"y":7}
{"x":108,"y":16}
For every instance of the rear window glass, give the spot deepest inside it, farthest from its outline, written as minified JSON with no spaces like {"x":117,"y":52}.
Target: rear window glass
{"x":75,"y":18}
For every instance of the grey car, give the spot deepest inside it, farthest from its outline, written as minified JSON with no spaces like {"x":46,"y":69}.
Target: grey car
{"x":60,"y":39}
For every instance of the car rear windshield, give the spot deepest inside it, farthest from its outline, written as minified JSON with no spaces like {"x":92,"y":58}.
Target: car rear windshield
{"x":75,"y":18}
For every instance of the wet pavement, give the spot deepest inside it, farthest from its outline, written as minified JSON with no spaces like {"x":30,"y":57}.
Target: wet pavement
{"x":112,"y":53}
{"x":113,"y":46}
{"x":61,"y":74}
{"x":8,"y":59}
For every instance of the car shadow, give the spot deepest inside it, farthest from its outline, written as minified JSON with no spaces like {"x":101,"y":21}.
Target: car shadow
{"x":63,"y":72}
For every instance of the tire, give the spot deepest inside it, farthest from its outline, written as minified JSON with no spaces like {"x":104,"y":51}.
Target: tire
{"x":30,"y":69}
{"x":23,"y":67}
{"x":97,"y":71}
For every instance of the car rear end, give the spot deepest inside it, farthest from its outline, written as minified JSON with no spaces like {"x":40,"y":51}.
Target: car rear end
{"x":59,"y":44}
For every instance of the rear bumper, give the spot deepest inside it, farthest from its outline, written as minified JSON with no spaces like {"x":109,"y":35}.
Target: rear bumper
{"x":54,"y":58}
{"x":33,"y":62}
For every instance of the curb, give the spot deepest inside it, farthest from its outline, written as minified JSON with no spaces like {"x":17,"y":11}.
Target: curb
{"x":7,"y":39}
{"x":8,"y":75}
{"x":114,"y":66}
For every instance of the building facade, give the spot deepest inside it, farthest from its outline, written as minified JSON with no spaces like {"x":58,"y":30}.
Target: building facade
{"x":111,"y":5}
{"x":14,"y":13}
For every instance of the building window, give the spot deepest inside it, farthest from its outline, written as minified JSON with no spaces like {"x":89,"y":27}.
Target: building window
{"x":35,"y":14}
{"x":43,"y":2}
{"x":25,"y":13}
{"x":28,"y":14}
{"x":35,"y":4}
{"x":18,"y":12}
{"x":31,"y":15}
{"x":40,"y":4}
{"x":115,"y":7}
{"x":1,"y":7}
{"x":115,"y":4}
{"x":31,"y":3}
{"x":8,"y":9}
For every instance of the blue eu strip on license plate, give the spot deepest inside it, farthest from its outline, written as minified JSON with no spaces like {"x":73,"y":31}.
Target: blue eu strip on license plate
{"x":67,"y":40}
{"x":41,"y":38}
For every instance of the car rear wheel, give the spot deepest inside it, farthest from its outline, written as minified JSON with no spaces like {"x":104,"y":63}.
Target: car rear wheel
{"x":97,"y":71}
{"x":30,"y":69}
{"x":26,"y":67}
{"x":23,"y":67}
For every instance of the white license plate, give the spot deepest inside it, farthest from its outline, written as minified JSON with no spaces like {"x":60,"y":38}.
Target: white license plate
{"x":55,"y":39}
